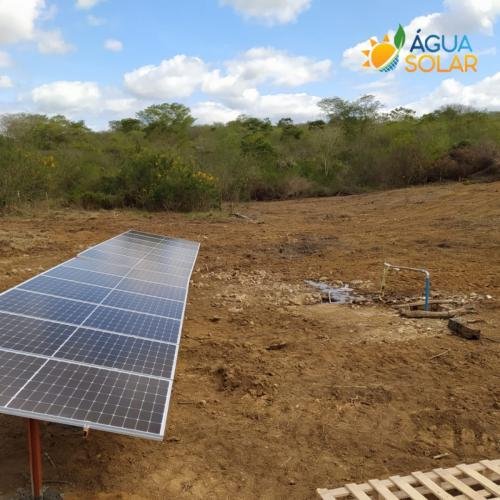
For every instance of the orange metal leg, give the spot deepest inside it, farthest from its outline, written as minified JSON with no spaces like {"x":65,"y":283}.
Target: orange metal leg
{"x":35,"y":456}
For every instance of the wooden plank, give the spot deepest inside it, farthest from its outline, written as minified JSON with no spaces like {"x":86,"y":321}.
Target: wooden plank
{"x":459,"y":485}
{"x":357,"y":491}
{"x":493,"y":465}
{"x":432,"y":486}
{"x":407,"y":488}
{"x":460,"y":327}
{"x":381,"y":489}
{"x":327,"y":494}
{"x":482,"y":480}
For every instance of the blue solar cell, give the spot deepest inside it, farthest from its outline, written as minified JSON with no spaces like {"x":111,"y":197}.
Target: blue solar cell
{"x":66,"y":289}
{"x":133,"y":323}
{"x":97,"y":266}
{"x":162,"y":279}
{"x":82,"y":276}
{"x":121,"y":260}
{"x":118,"y":351}
{"x":126,"y":402}
{"x":122,"y":249}
{"x":44,"y":306}
{"x":172,"y":259}
{"x":32,"y":335}
{"x":16,"y":370}
{"x":171,"y":269}
{"x":145,"y":303}
{"x":154,"y":289}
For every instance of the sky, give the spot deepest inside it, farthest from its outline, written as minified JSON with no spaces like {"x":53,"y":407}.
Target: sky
{"x":102,"y":60}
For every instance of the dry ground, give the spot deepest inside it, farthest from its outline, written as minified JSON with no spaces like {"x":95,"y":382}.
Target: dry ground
{"x":353,"y":393}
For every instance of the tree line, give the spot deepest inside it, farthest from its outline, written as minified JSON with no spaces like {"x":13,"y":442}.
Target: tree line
{"x":161,"y":160}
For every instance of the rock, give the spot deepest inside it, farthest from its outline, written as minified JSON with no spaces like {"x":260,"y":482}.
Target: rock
{"x":276,"y":346}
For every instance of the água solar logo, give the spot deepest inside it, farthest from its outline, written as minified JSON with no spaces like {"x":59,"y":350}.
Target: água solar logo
{"x":427,"y":53}
{"x":384,"y":56}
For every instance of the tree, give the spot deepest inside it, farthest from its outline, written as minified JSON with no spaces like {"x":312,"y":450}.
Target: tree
{"x":126,"y":125}
{"x":352,"y":115}
{"x":166,"y":117}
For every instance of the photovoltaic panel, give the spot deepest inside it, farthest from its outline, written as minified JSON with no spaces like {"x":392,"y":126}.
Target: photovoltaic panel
{"x":82,"y":276}
{"x":160,"y":278}
{"x":44,"y":306}
{"x":171,"y":269}
{"x":133,"y":323}
{"x":145,"y":303}
{"x":93,"y":342}
{"x":113,"y":258}
{"x":154,"y":289}
{"x":32,"y":335}
{"x":117,"y":351}
{"x":66,"y":289}
{"x":17,"y":369}
{"x":88,"y":394}
{"x":97,"y":266}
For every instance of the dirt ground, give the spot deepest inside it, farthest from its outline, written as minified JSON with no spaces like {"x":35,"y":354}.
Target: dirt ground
{"x":346,"y":392}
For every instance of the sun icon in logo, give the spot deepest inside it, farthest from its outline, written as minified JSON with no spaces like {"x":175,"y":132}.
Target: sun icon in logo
{"x":384,"y":56}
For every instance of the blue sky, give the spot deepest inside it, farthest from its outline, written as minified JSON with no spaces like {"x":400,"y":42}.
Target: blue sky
{"x":99,"y":60}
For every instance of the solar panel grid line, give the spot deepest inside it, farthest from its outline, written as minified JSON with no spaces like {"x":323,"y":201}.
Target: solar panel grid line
{"x":92,"y":265}
{"x":73,"y":279}
{"x":102,"y":420}
{"x":179,"y":241}
{"x":56,"y":351}
{"x":135,"y":293}
{"x":81,"y":292}
{"x":172,"y":257}
{"x":155,"y":289}
{"x":74,"y":325}
{"x":120,"y":260}
{"x":174,"y":365}
{"x":107,"y":306}
{"x":170,"y":252}
{"x":114,"y":351}
{"x":171,"y":265}
{"x":83,"y":363}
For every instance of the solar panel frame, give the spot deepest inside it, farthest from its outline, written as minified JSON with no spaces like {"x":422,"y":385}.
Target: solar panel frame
{"x":95,"y":270}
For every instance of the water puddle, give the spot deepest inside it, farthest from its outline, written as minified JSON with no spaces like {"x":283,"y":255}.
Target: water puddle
{"x":338,"y":295}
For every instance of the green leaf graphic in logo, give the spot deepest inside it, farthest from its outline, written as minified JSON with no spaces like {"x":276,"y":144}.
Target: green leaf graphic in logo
{"x":399,"y":38}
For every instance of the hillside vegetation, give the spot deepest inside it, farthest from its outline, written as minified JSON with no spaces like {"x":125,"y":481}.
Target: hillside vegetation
{"x":162,"y":160}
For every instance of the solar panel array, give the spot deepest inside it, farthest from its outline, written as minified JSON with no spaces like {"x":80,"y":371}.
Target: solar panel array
{"x":93,"y":342}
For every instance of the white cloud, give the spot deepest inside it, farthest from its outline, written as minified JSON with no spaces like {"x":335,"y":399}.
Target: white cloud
{"x":52,"y":42}
{"x":459,"y":17}
{"x":262,"y":64}
{"x":17,"y":19}
{"x":300,"y":107}
{"x":5,"y":60}
{"x":5,"y":82}
{"x":172,"y":78}
{"x":87,"y":4}
{"x":213,"y":112}
{"x":482,"y":95}
{"x":236,"y":85}
{"x":83,"y":100}
{"x":113,"y":45}
{"x":95,"y":21}
{"x":67,"y":96}
{"x":270,"y":11}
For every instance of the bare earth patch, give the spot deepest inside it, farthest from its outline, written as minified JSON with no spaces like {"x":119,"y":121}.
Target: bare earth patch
{"x":276,"y":393}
